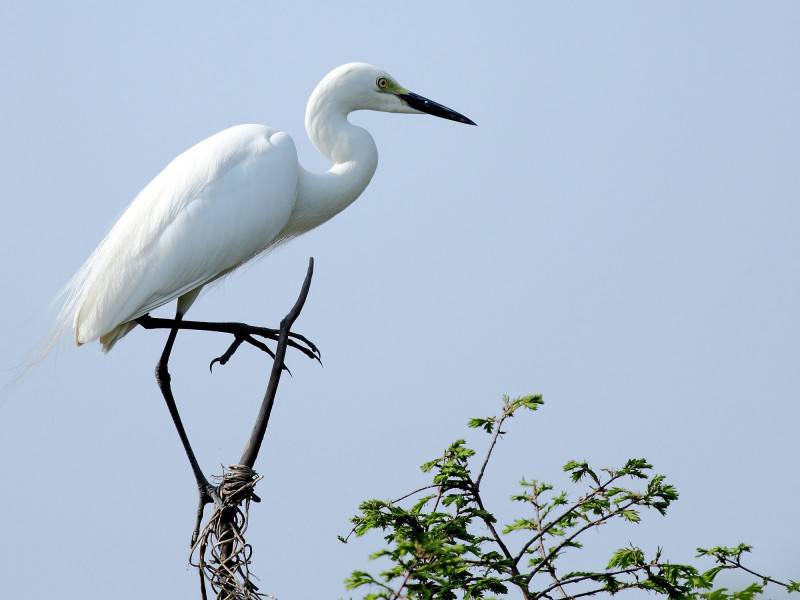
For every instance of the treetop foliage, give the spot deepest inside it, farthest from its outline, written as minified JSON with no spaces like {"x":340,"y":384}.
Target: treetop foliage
{"x":442,"y":542}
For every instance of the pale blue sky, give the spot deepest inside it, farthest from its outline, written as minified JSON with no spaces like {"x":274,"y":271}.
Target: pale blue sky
{"x":620,"y":233}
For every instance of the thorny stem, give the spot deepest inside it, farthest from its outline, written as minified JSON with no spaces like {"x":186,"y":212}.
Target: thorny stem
{"x":497,"y":433}
{"x":546,"y":558}
{"x":550,"y":568}
{"x":736,"y":564}
{"x":345,"y":539}
{"x":517,"y":576}
{"x":417,"y":491}
{"x":398,"y":591}
{"x":576,"y":533}
{"x":572,"y":580}
{"x":623,"y":586}
{"x":568,"y":511}
{"x":476,"y":484}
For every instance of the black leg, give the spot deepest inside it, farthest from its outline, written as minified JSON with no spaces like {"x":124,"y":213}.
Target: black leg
{"x":242,"y":333}
{"x":207,"y":492}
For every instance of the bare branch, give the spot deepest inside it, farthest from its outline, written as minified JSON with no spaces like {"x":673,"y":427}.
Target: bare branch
{"x":736,"y":564}
{"x":223,"y":552}
{"x":257,"y":435}
{"x":578,"y":579}
{"x":624,"y":586}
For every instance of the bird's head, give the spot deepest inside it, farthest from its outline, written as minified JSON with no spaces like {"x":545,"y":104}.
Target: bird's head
{"x":360,"y":86}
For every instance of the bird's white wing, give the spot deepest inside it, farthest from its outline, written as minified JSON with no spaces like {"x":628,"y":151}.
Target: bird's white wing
{"x":212,"y":208}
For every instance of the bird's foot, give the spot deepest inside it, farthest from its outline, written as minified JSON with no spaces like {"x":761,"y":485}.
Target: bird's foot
{"x":241,"y":332}
{"x":244,"y":333}
{"x":238,"y":341}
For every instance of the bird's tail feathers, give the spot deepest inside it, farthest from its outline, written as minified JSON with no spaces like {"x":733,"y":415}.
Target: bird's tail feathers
{"x":68,"y":302}
{"x":108,"y":340}
{"x":65,"y":305}
{"x":17,"y":374}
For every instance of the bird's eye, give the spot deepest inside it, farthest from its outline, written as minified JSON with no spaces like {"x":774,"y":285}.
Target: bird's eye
{"x":383,"y":83}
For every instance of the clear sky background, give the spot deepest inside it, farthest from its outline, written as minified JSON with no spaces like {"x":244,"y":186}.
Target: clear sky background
{"x":620,"y":233}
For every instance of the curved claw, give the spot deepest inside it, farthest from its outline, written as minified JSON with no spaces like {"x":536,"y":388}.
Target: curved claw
{"x":308,"y":343}
{"x":245,"y":334}
{"x":226,"y":356}
{"x":310,"y":349}
{"x":307,"y":351}
{"x":264,"y":348}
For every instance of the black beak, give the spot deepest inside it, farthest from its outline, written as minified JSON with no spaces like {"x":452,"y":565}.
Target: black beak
{"x":421,"y":103}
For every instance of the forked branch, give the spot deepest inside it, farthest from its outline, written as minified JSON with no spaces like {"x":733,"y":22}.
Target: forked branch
{"x":223,"y":553}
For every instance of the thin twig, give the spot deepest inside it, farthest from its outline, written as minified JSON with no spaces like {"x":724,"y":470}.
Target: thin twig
{"x":398,"y":591}
{"x":568,"y":511}
{"x":543,"y":553}
{"x":578,"y":579}
{"x":624,"y":586}
{"x":619,"y":510}
{"x":497,"y":433}
{"x":736,"y":564}
{"x":476,"y":484}
{"x":345,"y":539}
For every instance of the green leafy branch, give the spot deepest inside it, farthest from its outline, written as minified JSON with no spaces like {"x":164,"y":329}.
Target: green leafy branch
{"x":442,"y":542}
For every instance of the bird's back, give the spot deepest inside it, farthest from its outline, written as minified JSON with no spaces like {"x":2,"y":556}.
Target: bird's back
{"x":212,"y":208}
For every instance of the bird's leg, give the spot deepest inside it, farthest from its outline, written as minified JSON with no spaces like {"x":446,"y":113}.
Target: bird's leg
{"x":242,"y":332}
{"x":208,"y":493}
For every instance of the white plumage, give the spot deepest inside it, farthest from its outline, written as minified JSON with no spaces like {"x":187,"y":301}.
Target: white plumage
{"x":212,"y":208}
{"x":227,"y":199}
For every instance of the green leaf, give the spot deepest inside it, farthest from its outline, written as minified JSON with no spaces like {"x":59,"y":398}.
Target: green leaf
{"x":626,"y":557}
{"x":631,"y":515}
{"x":485,"y":424}
{"x":521,"y":525}
{"x":530,"y":402}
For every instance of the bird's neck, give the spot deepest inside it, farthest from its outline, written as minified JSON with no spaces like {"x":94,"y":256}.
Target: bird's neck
{"x":352,"y":151}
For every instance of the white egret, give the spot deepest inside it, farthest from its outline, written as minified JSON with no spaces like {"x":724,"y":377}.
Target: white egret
{"x":229,"y":198}
{"x":221,"y":203}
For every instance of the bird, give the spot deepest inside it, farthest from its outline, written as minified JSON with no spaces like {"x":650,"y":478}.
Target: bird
{"x":224,"y":201}
{"x":230,"y":198}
